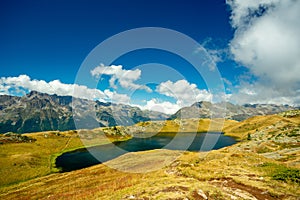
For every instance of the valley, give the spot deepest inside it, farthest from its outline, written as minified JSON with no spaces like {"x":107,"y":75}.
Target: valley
{"x":264,"y":164}
{"x":150,"y":100}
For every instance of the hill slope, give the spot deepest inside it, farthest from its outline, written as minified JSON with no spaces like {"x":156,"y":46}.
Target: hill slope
{"x":273,"y":136}
{"x":264,"y":166}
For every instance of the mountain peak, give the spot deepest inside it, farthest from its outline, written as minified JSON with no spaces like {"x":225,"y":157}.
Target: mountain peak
{"x":37,"y":111}
{"x":202,"y":104}
{"x":34,"y":93}
{"x":206,"y":109}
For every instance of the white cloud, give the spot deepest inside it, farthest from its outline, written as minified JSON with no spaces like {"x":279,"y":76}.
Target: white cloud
{"x":244,"y":10}
{"x":126,"y":78}
{"x":267,"y":42}
{"x":115,"y":97}
{"x":184,"y":92}
{"x":215,"y":54}
{"x":227,"y":82}
{"x":160,"y":106}
{"x":52,"y":87}
{"x":3,"y":89}
{"x":259,"y":93}
{"x":56,"y":87}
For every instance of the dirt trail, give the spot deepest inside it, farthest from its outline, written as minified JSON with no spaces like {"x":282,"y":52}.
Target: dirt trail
{"x":242,"y":190}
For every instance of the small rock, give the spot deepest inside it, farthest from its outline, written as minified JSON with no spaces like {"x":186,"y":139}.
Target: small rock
{"x":131,"y":197}
{"x":202,"y":194}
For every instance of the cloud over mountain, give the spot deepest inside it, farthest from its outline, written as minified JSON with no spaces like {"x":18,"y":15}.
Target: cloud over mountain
{"x":160,"y":106}
{"x":184,"y":92}
{"x":22,"y":83}
{"x":267,"y":42}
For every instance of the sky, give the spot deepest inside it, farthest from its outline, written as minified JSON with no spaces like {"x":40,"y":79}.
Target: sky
{"x":138,"y":52}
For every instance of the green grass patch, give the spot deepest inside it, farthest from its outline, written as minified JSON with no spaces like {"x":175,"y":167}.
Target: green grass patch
{"x":24,"y":161}
{"x":281,"y":172}
{"x":287,"y":175}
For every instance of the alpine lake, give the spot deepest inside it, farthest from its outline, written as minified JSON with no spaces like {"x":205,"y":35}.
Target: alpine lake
{"x":86,"y":157}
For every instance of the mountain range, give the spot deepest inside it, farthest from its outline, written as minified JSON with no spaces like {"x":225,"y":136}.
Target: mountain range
{"x":228,"y":110}
{"x":36,"y":112}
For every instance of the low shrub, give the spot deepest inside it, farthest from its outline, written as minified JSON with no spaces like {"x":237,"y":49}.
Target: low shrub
{"x":281,"y":172}
{"x":287,"y":174}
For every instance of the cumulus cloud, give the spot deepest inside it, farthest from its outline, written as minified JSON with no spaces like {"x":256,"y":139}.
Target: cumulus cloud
{"x":243,"y":11}
{"x":260,"y":93}
{"x":160,"y":106}
{"x":184,"y":92}
{"x":56,"y":87}
{"x":115,"y":97}
{"x":126,"y":78}
{"x":3,"y":88}
{"x":267,"y":41}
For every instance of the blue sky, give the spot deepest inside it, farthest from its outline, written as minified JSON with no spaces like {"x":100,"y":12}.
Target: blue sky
{"x":254,"y":46}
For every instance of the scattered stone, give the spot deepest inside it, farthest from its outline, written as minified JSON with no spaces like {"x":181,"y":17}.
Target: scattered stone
{"x":170,"y":172}
{"x":131,"y":197}
{"x":202,"y":194}
{"x":15,"y":138}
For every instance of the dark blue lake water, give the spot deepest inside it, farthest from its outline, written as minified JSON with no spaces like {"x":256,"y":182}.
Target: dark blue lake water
{"x":86,"y":157}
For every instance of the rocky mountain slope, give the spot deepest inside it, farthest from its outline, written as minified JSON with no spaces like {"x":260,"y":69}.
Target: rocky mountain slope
{"x":273,"y":136}
{"x":41,"y":112}
{"x":205,"y":109}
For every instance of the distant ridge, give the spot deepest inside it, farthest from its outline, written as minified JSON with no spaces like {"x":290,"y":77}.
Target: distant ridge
{"x":228,"y":110}
{"x":36,"y":112}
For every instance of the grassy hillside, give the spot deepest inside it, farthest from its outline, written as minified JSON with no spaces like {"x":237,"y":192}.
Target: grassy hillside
{"x":22,"y":161}
{"x":27,"y":160}
{"x":273,"y":136}
{"x":265,"y":164}
{"x":184,"y":125}
{"x":254,"y":124}
{"x":222,"y":174}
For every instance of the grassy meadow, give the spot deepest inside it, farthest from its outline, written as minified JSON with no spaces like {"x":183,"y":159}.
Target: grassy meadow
{"x":221,"y":174}
{"x":23,"y":161}
{"x":263,"y":165}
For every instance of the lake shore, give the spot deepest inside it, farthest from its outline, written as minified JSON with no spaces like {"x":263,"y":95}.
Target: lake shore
{"x":84,"y":157}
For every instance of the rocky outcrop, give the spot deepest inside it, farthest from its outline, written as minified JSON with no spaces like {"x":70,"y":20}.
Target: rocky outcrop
{"x":15,"y":138}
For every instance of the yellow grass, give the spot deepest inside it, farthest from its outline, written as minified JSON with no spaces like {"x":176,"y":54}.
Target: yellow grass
{"x":186,"y":125}
{"x":216,"y":173}
{"x":257,"y":123}
{"x":231,"y":172}
{"x":24,"y":161}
